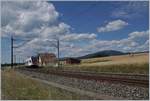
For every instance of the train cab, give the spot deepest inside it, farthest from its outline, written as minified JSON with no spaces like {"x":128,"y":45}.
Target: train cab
{"x":31,"y":62}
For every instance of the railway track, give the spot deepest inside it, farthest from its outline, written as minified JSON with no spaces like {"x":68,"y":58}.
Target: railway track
{"x":128,"y":79}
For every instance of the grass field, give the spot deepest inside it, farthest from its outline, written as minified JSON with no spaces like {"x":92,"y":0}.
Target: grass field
{"x":19,"y":87}
{"x":139,"y":63}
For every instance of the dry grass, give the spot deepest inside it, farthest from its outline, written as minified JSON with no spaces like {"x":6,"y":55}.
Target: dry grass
{"x":115,"y":68}
{"x":18,"y":87}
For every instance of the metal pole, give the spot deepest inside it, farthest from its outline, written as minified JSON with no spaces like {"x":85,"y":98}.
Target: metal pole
{"x":11,"y":51}
{"x":19,"y":60}
{"x":15,"y":59}
{"x":58,"y":51}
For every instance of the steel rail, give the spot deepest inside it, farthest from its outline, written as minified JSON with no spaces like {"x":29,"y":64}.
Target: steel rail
{"x":88,"y":76}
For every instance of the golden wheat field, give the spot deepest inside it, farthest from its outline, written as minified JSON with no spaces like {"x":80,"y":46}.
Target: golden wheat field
{"x":122,"y":59}
{"x":138,"y":63}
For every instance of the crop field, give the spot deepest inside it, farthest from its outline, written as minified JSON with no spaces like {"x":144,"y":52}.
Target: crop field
{"x":138,"y":63}
{"x":123,"y":59}
{"x":19,"y":87}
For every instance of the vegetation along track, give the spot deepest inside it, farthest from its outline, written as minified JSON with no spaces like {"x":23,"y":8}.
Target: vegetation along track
{"x":129,"y":79}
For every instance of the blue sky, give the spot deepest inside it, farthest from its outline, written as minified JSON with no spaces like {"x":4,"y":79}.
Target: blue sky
{"x":82,"y":27}
{"x":82,"y":15}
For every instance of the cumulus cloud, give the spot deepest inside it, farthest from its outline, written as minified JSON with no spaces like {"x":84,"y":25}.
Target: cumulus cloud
{"x":37,"y":21}
{"x":113,"y":26}
{"x":23,"y":17}
{"x":129,"y":44}
{"x":55,"y":31}
{"x":133,"y":42}
{"x":136,"y":34}
{"x":78,"y":37}
{"x":132,"y":9}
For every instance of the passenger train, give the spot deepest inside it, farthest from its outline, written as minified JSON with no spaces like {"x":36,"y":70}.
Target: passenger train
{"x":32,"y":62}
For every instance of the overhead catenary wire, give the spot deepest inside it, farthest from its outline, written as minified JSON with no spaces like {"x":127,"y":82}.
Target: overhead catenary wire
{"x":54,"y":45}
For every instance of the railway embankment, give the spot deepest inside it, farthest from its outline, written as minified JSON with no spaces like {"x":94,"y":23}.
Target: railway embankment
{"x":116,"y":90}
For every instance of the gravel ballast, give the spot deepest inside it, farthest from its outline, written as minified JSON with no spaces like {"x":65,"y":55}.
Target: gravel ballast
{"x":101,"y":87}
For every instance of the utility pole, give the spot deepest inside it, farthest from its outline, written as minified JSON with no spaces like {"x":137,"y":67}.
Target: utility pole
{"x":19,"y":60}
{"x":11,"y":51}
{"x":58,"y":51}
{"x":14,"y":59}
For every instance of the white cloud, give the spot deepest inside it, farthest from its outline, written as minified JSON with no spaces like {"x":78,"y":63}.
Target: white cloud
{"x":131,"y":9}
{"x":133,"y":42}
{"x":55,"y":31}
{"x":39,"y":22}
{"x":137,"y":34}
{"x":26,"y":17}
{"x":128,"y":44}
{"x":78,"y":37}
{"x":113,"y":26}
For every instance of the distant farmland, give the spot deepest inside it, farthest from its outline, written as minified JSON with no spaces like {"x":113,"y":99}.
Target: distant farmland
{"x":122,"y":59}
{"x":138,"y":63}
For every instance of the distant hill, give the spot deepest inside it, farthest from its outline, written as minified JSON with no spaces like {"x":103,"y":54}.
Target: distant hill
{"x":102,"y":54}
